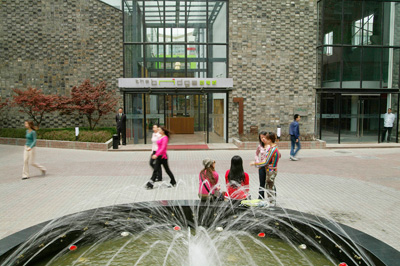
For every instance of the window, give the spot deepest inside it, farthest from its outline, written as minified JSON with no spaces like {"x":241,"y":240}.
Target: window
{"x":184,"y":38}
{"x":357,"y":30}
{"x":328,"y":40}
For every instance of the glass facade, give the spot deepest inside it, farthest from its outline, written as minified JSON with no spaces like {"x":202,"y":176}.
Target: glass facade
{"x":358,"y":41}
{"x":357,"y":68}
{"x":176,"y":39}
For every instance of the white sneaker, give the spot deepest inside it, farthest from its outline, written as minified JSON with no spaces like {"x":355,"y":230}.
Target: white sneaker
{"x":293,"y":158}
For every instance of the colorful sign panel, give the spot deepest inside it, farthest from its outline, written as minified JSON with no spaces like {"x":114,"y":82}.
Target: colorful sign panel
{"x":208,"y":83}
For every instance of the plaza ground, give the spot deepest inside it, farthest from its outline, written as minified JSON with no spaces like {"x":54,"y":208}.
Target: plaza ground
{"x":356,"y":187}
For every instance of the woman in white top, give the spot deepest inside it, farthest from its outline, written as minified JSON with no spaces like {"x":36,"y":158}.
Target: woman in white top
{"x":154,"y":138}
{"x":260,"y":157}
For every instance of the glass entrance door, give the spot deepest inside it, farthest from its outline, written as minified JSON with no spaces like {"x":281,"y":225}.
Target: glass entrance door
{"x":185,"y":117}
{"x":354,"y":118}
{"x":360,"y":118}
{"x":191,"y":118}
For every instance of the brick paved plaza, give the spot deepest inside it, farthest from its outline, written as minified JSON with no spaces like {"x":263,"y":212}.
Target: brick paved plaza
{"x":357,"y":187}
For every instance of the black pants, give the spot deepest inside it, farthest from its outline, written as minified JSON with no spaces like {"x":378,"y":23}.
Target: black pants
{"x":152,"y":164}
{"x":157,"y":168}
{"x":389,"y":130}
{"x":122,"y":131}
{"x":262,"y":175}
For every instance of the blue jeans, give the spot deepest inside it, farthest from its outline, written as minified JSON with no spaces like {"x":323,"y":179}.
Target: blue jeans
{"x":293,"y":142}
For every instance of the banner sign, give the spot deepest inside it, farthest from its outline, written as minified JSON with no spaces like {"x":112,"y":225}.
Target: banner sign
{"x":208,"y":83}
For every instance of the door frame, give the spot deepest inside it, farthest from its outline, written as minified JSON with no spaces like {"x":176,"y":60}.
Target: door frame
{"x":360,"y":113}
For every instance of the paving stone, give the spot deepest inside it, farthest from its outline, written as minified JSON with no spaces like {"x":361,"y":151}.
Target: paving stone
{"x":364,"y":194}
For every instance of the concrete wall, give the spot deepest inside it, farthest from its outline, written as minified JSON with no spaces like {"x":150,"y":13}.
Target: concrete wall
{"x":55,"y":45}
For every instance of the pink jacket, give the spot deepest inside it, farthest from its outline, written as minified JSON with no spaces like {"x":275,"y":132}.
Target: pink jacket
{"x":162,"y":147}
{"x":205,"y":183}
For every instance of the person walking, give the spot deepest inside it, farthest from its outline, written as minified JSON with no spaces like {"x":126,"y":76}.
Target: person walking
{"x":154,"y":138}
{"x":294,"y":132}
{"x":237,"y":181}
{"x":208,"y":180}
{"x":261,"y":152}
{"x":120,"y":118}
{"x":161,"y":159}
{"x":388,"y":125}
{"x":270,"y":164}
{"x":30,"y":150}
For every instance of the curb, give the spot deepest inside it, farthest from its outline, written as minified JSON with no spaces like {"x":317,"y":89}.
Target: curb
{"x":283,"y":145}
{"x":60,"y":144}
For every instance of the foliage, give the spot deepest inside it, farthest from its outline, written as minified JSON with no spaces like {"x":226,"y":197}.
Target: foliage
{"x":12,"y":133}
{"x":57,"y":135}
{"x":35,"y":104}
{"x":3,"y":103}
{"x":68,"y":134}
{"x":94,"y":136}
{"x":92,"y":101}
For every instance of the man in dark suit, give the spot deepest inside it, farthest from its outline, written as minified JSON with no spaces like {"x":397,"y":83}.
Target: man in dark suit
{"x":120,"y":118}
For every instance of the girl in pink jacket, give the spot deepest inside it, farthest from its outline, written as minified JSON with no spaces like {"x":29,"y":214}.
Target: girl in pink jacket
{"x":161,"y":159}
{"x":208,"y":180}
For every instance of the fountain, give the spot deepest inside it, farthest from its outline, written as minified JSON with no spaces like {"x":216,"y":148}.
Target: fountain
{"x":193,"y":233}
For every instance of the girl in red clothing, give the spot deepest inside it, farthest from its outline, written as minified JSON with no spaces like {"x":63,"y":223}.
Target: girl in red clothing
{"x":237,"y":181}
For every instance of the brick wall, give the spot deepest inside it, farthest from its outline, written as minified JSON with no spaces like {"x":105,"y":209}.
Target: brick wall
{"x":272,"y":63}
{"x":55,"y":45}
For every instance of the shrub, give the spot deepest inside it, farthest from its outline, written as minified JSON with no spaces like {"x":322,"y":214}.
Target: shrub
{"x":68,"y":134}
{"x":57,"y":135}
{"x":94,"y":136}
{"x":12,"y":132}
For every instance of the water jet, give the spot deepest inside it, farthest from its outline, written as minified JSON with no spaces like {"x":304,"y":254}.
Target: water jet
{"x":192,"y":232}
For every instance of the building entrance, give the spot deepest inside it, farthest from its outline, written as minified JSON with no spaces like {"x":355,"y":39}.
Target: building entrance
{"x":184,"y":115}
{"x":360,"y":118}
{"x":191,"y":118}
{"x":195,"y":110}
{"x":355,"y":118}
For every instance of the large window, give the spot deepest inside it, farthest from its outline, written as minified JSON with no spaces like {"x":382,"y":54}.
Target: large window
{"x":175,"y":38}
{"x":358,"y":40}
{"x":357,"y":68}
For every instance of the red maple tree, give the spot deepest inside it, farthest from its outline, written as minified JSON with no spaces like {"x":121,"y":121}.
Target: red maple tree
{"x":35,"y":103}
{"x":93,"y":101}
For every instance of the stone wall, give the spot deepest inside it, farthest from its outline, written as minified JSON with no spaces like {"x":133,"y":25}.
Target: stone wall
{"x":272,"y":63}
{"x":55,"y":45}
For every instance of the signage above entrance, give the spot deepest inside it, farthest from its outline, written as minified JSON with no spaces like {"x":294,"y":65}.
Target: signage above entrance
{"x":209,"y":83}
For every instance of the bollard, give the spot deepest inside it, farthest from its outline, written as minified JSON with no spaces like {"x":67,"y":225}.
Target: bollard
{"x":115,"y":141}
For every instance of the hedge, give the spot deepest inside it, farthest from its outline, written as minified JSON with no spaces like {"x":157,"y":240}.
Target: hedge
{"x":100,"y":135}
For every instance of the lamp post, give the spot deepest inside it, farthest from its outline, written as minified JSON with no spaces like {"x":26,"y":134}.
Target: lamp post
{"x":76,"y":133}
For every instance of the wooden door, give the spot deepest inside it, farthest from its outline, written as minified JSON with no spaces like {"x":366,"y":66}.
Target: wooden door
{"x":219,"y":117}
